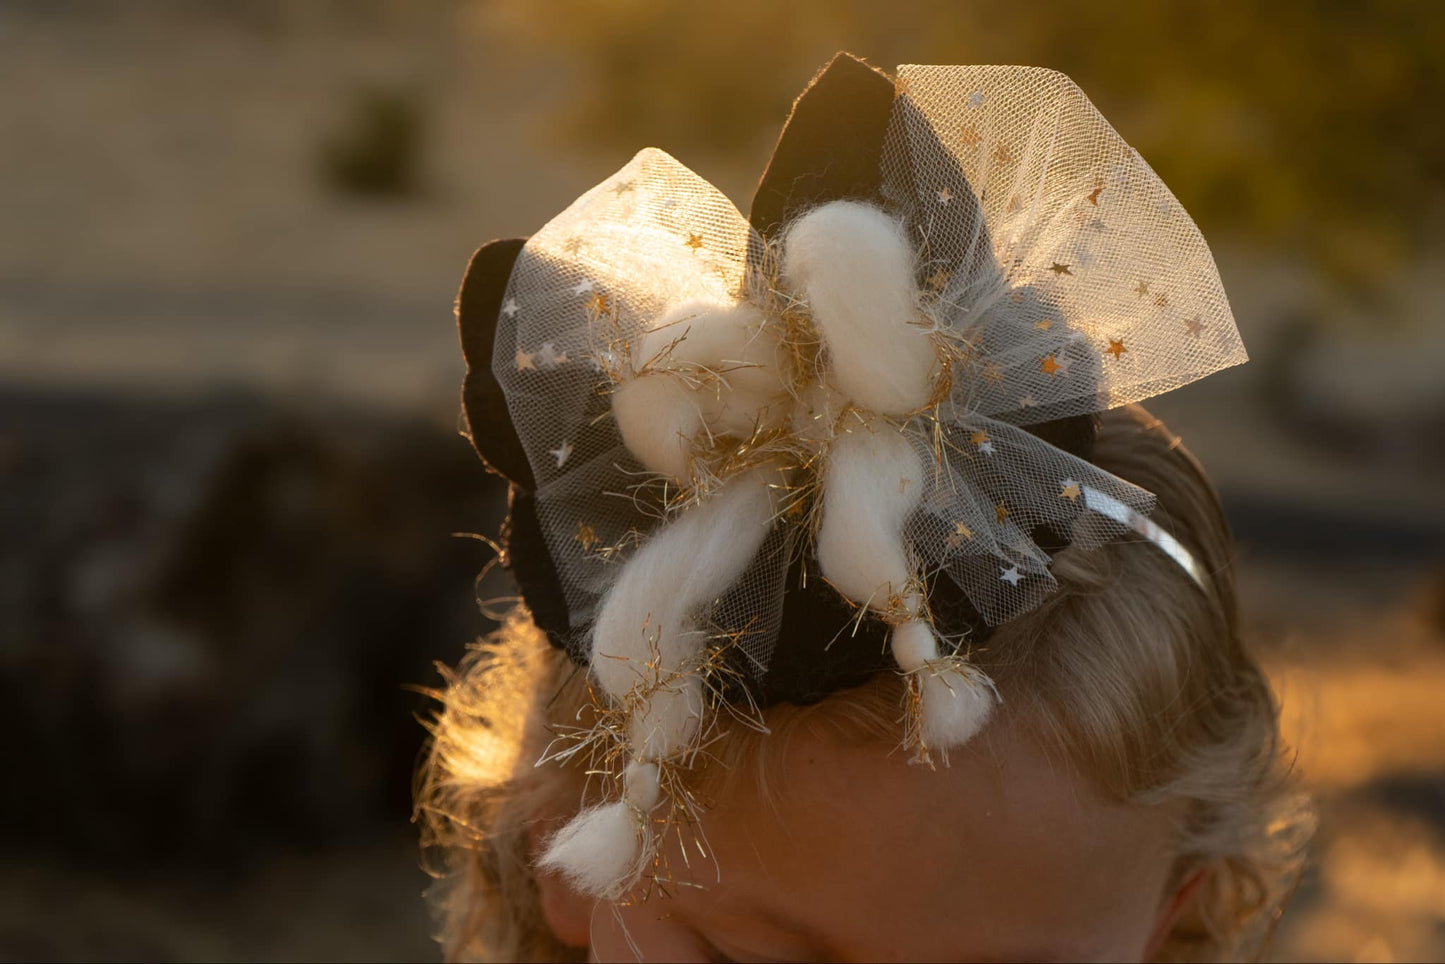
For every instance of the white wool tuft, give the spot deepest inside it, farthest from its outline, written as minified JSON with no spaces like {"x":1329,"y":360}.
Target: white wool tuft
{"x":645,"y":625}
{"x":731,"y":355}
{"x":668,"y":720}
{"x":854,"y":266}
{"x":704,"y":369}
{"x":658,"y":419}
{"x":872,"y":481}
{"x":955,"y":708}
{"x":642,"y":785}
{"x":601,"y":851}
{"x":860,"y":551}
{"x":914,"y":645}
{"x":682,"y":567}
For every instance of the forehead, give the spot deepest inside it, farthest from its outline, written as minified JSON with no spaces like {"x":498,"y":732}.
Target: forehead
{"x":1005,"y":854}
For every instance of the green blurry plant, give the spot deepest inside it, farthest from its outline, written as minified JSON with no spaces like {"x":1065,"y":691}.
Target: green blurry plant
{"x":1307,"y":125}
{"x":377,"y":151}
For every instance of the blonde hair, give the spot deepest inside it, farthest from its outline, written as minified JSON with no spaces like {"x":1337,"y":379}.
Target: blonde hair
{"x":1130,"y":671}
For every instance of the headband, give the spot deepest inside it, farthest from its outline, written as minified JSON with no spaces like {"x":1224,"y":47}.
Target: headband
{"x":757,"y":460}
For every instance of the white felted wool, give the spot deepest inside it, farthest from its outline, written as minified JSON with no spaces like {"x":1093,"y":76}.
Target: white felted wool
{"x":731,"y":358}
{"x":914,"y":645}
{"x":955,"y":708}
{"x":853,"y":265}
{"x":658,"y":419}
{"x":668,"y":721}
{"x":600,"y":851}
{"x":705,"y":369}
{"x":683,"y":566}
{"x":872,"y":482}
{"x":649,"y":615}
{"x":642,"y":785}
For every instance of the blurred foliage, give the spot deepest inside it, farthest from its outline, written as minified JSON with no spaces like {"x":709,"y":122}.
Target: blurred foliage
{"x":377,"y":151}
{"x":1308,"y":124}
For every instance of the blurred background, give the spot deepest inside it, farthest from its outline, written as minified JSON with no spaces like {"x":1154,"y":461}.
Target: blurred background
{"x":230,"y":476}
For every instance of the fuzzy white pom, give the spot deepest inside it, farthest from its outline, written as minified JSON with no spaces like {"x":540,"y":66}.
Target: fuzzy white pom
{"x":652,"y":606}
{"x":872,"y":481}
{"x":853,"y":265}
{"x":601,"y":851}
{"x":955,"y":708}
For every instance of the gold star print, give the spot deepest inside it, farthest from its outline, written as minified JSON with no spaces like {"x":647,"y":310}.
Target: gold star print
{"x":1000,"y":513}
{"x":693,"y":241}
{"x":598,"y":303}
{"x":1061,"y":269}
{"x":1069,"y":489}
{"x":979,"y":437}
{"x":1162,"y":300}
{"x":1141,"y":289}
{"x":1002,"y":154}
{"x":991,"y":373}
{"x":1027,"y":401}
{"x":1094,"y":194}
{"x":960,"y":534}
{"x":1116,"y":348}
{"x":970,"y":136}
{"x":1044,"y":325}
{"x":1013,"y":205}
{"x":1016,"y":298}
{"x":903,"y":484}
{"x":945,"y":195}
{"x":903,"y":87}
{"x":1050,"y":367}
{"x":622,"y":187}
{"x":526,"y":361}
{"x":572,"y":245}
{"x":939,"y":279}
{"x":1194,"y":326}
{"x":586,"y":536}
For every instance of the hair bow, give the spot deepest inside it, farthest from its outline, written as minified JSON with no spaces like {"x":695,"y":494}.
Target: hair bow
{"x":877,"y":390}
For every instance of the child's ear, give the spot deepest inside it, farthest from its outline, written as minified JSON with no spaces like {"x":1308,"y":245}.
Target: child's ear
{"x":568,"y":913}
{"x":1172,"y":909}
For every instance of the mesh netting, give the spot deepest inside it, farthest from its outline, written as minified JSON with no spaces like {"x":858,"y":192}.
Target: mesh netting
{"x":1038,"y":226}
{"x":1058,"y":275}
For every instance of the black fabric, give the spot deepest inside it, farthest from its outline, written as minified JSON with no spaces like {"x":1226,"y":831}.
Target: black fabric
{"x":524,"y":551}
{"x":830,"y":149}
{"x":483,"y":405}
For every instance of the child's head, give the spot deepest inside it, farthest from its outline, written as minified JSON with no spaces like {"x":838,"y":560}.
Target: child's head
{"x":1127,"y":799}
{"x":839,"y":461}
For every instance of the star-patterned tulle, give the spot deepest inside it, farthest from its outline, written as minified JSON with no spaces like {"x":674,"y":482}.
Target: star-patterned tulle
{"x":1057,"y":272}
